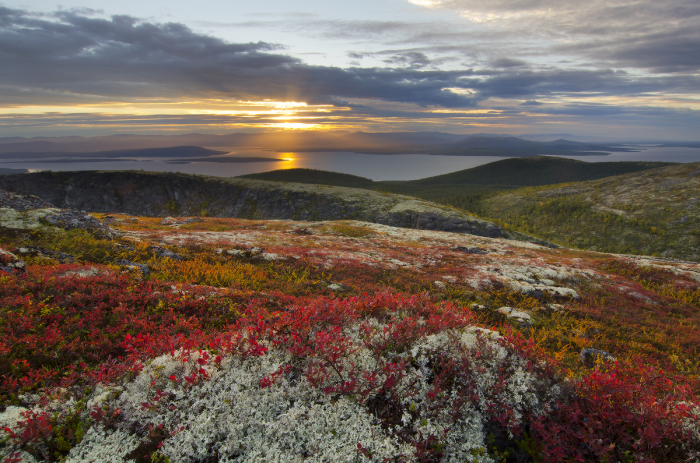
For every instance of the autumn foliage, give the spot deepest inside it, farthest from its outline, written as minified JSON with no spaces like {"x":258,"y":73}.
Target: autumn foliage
{"x":433,"y":368}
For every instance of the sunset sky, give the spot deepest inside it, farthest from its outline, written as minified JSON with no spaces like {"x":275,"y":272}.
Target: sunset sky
{"x":610,"y":68}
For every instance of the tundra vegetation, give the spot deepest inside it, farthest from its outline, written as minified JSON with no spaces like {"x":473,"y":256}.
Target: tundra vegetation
{"x":242,"y":340}
{"x":648,"y":208}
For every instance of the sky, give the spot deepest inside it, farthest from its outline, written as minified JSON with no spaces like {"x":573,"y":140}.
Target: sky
{"x":625,"y":69}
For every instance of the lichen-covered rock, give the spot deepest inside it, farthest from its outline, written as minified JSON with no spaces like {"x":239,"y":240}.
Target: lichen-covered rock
{"x":69,"y":219}
{"x":32,"y":219}
{"x":470,"y":250}
{"x":26,"y":212}
{"x":162,"y":252}
{"x":127,"y":264}
{"x":22,"y":202}
{"x":10,"y":263}
{"x":523,"y":318}
{"x":61,"y":257}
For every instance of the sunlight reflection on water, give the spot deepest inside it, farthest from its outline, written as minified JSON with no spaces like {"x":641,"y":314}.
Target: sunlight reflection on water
{"x":375,"y":167}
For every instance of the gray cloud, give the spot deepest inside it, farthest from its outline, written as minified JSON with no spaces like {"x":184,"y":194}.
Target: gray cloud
{"x":659,"y":35}
{"x":412,"y":59}
{"x":674,"y":51}
{"x":72,"y":57}
{"x":507,"y":63}
{"x":76,"y":56}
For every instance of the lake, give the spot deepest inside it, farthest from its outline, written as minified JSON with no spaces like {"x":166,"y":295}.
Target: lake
{"x":373,"y":166}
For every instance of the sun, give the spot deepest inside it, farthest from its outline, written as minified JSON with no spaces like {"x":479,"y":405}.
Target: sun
{"x":294,"y":126}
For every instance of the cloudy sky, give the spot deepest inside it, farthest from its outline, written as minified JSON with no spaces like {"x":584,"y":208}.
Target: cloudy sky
{"x":610,"y":68}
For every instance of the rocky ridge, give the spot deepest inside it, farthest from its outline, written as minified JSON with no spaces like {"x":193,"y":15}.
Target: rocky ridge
{"x":167,"y":194}
{"x":26,"y":212}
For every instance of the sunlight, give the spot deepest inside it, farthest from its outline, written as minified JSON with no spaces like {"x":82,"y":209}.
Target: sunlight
{"x":293,"y":126}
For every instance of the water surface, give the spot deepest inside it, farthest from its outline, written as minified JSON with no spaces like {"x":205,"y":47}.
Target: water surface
{"x":373,"y":166}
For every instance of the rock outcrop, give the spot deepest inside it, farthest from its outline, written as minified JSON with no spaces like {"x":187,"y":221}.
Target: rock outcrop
{"x":173,"y":195}
{"x":22,"y":203}
{"x":27,"y":212}
{"x":9,"y":263}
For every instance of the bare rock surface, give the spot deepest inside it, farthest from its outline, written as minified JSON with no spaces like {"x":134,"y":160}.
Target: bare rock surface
{"x":26,"y":212}
{"x":22,"y":202}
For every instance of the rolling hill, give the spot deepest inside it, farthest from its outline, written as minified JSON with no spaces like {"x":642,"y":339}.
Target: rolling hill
{"x":625,"y":207}
{"x":507,"y":173}
{"x":168,"y":194}
{"x":653,"y":212}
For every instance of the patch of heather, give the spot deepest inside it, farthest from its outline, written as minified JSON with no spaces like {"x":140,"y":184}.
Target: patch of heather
{"x":343,"y":341}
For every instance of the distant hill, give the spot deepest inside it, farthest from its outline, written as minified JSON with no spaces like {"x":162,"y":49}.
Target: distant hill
{"x":540,"y":170}
{"x":163,"y":194}
{"x":508,"y":173}
{"x":4,"y":171}
{"x":517,"y":147}
{"x":29,"y":147}
{"x":314,"y":176}
{"x":168,"y":152}
{"x":626,"y":207}
{"x":652,"y":212}
{"x":424,"y":142}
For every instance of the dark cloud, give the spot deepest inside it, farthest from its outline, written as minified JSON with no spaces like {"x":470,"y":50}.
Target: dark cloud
{"x":670,"y":52}
{"x":531,"y":84}
{"x":507,"y":63}
{"x":71,"y":57}
{"x":74,"y":55}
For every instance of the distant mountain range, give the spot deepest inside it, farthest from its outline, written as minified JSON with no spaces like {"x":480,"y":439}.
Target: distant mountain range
{"x":290,"y":141}
{"x":171,"y":152}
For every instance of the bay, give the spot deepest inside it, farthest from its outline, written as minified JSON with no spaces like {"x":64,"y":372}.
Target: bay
{"x":373,"y":166}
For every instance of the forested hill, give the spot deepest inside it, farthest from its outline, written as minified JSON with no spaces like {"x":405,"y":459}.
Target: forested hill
{"x":539,"y":170}
{"x":467,"y":188}
{"x":315,"y":177}
{"x":654,"y":212}
{"x":513,"y":172}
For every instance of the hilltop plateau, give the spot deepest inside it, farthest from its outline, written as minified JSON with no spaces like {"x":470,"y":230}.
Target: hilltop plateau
{"x":162,"y":194}
{"x":191,"y":339}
